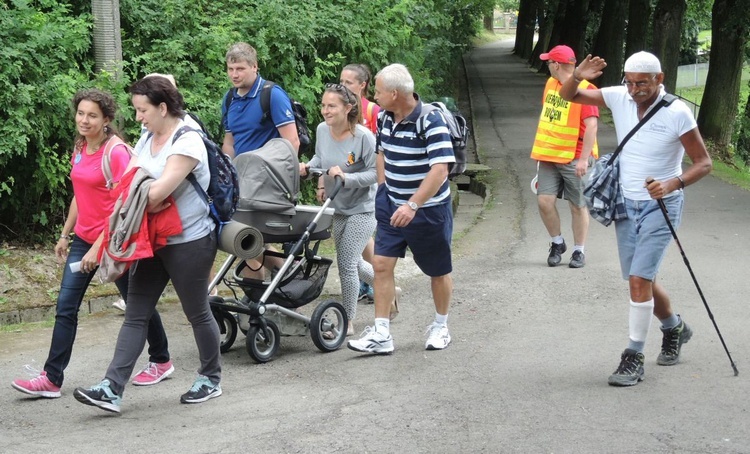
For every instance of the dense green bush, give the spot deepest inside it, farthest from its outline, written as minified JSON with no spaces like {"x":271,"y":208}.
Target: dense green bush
{"x":43,"y":62}
{"x":47,"y":55}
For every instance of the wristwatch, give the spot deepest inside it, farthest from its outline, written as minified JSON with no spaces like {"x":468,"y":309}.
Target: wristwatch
{"x":413,"y":205}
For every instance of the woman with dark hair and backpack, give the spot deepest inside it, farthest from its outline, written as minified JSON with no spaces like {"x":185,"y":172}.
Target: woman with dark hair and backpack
{"x":168,"y":154}
{"x":93,"y":200}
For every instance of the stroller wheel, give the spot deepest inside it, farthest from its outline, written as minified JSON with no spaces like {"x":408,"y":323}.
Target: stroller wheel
{"x":260,"y":347}
{"x":328,"y":326}
{"x":227,"y":329}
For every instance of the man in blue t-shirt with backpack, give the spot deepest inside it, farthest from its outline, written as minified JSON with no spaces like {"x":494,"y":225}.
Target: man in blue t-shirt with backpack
{"x":412,"y":206}
{"x":246,"y":126}
{"x":243,"y":120}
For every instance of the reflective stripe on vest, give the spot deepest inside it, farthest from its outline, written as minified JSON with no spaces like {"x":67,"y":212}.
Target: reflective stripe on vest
{"x":557,"y":134}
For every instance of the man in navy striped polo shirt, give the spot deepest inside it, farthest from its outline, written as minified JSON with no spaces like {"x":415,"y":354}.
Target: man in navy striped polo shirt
{"x":412,"y":206}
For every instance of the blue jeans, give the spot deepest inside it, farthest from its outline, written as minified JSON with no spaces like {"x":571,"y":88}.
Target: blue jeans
{"x":643,"y":237}
{"x":72,"y":290}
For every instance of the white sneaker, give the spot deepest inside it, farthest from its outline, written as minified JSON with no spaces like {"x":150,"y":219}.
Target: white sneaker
{"x":438,"y":337}
{"x":119,"y":304}
{"x":372,"y":341}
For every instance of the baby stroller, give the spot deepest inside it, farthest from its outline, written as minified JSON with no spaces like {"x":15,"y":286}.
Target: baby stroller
{"x":264,"y":310}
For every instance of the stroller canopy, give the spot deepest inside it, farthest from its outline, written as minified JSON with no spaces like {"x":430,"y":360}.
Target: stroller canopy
{"x":269,"y":178}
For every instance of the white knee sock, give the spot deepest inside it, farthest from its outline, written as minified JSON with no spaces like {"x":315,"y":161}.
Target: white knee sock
{"x":640,"y":322}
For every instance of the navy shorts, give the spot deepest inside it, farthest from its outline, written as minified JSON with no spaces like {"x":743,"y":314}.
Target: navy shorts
{"x":428,"y":235}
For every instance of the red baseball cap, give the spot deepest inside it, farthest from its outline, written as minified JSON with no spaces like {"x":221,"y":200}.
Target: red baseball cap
{"x":560,"y":54}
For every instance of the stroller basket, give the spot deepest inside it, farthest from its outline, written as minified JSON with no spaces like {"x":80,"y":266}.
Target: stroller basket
{"x":303,"y":284}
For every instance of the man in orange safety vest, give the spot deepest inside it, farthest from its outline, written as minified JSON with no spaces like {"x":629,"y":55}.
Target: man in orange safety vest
{"x":565,"y":147}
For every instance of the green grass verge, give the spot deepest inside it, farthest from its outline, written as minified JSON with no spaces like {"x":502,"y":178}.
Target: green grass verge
{"x":737,"y":175}
{"x":28,"y":326}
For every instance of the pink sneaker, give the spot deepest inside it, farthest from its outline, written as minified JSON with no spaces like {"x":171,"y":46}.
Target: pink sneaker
{"x":37,"y":386}
{"x":153,"y":373}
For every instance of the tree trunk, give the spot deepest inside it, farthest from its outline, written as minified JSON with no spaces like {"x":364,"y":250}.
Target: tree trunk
{"x":107,"y":40}
{"x":489,"y":22}
{"x":639,"y":16}
{"x":719,"y":104}
{"x":743,"y":142}
{"x":547,"y":19}
{"x":667,"y":28}
{"x":609,"y":41}
{"x":525,"y":28}
{"x":573,"y":31}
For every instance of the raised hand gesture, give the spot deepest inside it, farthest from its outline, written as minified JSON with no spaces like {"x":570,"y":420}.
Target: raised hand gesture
{"x":590,"y":68}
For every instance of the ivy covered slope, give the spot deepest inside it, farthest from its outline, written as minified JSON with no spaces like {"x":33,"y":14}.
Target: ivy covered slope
{"x":47,"y":55}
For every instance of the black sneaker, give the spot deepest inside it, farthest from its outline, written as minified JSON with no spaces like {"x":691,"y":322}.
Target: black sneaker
{"x":577,"y":260}
{"x":100,"y":395}
{"x":202,"y":390}
{"x":630,"y":370}
{"x":555,"y":253}
{"x":671,"y":343}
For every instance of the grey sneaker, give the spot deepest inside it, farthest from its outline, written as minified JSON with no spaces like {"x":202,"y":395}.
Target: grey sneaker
{"x":100,"y":395}
{"x":202,"y":390}
{"x":671,"y":343}
{"x":555,"y":253}
{"x":630,"y":370}
{"x":577,"y":260}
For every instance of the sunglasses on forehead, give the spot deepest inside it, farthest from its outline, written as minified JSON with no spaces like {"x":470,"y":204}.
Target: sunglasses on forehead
{"x":341,"y":89}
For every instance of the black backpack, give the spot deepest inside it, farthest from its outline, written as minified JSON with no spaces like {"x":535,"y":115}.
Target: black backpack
{"x":299,"y":111}
{"x":224,"y":186}
{"x":459,"y":134}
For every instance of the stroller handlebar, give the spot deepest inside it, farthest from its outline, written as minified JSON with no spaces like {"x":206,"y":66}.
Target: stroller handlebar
{"x":338,"y":180}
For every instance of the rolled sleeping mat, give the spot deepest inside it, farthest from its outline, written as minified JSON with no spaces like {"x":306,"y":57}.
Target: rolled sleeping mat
{"x":241,"y":240}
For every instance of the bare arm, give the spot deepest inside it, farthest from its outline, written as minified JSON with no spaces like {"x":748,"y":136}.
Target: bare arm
{"x":700,"y":166}
{"x":177,"y":168}
{"x":289,"y":132}
{"x":429,"y":187}
{"x":88,"y":261}
{"x":228,"y":146}
{"x":589,"y":138}
{"x":590,"y":68}
{"x":61,"y":248}
{"x":431,"y":184}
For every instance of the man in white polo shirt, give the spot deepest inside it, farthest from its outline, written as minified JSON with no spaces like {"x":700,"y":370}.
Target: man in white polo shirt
{"x":655,"y":154}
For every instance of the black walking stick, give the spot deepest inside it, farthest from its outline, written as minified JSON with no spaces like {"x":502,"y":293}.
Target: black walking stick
{"x":695,"y":281}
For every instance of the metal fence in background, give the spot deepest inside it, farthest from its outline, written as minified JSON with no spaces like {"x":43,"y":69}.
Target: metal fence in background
{"x":692,"y":75}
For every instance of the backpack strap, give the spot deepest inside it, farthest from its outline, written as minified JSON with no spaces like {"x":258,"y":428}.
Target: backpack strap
{"x":666,"y":100}
{"x":265,"y":99}
{"x":191,"y":177}
{"x":107,"y":159}
{"x":426,"y":109}
{"x":227,"y":102}
{"x":199,"y":122}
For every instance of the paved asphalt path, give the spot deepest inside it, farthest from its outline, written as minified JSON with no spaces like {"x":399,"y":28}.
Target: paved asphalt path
{"x":527,"y":370}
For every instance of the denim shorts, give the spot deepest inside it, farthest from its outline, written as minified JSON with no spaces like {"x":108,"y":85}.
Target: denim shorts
{"x":643,"y":237}
{"x":561,"y":180}
{"x":428,"y":235}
